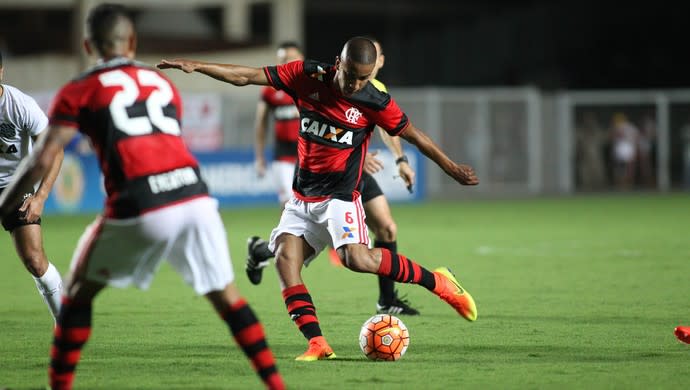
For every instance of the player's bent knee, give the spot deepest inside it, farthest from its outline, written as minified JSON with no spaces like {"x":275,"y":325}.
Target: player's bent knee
{"x":359,"y":258}
{"x":285,"y":259}
{"x":282,"y":254}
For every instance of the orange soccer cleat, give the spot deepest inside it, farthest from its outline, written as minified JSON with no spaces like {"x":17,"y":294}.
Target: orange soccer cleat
{"x":448,"y":289}
{"x":683,"y":333}
{"x":318,"y":350}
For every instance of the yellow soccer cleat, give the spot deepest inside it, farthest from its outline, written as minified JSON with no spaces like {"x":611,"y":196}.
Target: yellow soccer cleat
{"x":448,"y":289}
{"x":318,"y":350}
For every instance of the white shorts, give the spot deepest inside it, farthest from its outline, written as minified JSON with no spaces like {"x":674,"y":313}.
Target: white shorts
{"x":283,"y":173}
{"x":332,"y":222}
{"x":190,"y":235}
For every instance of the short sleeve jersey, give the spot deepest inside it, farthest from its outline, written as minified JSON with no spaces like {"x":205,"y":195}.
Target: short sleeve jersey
{"x":131,"y":113}
{"x":285,"y":121}
{"x":334,"y":129}
{"x":20,"y":119}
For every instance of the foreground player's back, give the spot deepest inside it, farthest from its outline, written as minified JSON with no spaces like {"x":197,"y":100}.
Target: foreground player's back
{"x":132,"y":114}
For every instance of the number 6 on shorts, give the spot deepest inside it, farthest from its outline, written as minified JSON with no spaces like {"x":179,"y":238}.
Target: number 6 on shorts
{"x":346,"y":224}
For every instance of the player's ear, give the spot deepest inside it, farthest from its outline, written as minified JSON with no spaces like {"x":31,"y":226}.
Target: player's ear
{"x":132,"y":45}
{"x":337,"y":62}
{"x":87,"y":46}
{"x":382,"y":58}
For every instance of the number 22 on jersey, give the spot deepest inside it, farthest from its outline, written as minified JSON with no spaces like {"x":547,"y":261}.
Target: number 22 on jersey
{"x":158,"y":99}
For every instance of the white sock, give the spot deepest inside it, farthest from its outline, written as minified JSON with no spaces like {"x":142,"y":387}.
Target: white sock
{"x":50,"y":287}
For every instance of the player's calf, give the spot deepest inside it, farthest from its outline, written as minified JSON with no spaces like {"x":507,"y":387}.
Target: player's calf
{"x":249,"y":335}
{"x":72,"y":331}
{"x":49,"y":285}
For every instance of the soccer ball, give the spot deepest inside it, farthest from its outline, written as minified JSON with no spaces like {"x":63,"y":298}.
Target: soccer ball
{"x":384,"y":337}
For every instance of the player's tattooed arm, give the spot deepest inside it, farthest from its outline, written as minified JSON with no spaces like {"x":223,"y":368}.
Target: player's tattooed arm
{"x":238,"y":75}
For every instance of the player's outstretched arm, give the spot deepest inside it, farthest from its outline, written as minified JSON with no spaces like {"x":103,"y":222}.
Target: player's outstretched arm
{"x":234,"y":74}
{"x":463,"y":174}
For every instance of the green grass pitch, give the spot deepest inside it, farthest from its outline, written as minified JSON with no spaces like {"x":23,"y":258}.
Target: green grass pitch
{"x":573,"y":292}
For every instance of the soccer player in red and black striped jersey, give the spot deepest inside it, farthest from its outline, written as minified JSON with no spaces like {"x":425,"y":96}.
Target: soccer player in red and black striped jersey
{"x":376,"y":207}
{"x":280,"y":106}
{"x":157,"y":205}
{"x":339,"y":110}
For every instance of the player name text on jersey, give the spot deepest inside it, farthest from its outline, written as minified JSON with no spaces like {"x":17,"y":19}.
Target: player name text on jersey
{"x":172,"y":180}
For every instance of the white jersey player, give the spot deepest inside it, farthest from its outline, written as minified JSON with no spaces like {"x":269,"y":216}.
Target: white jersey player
{"x":21,"y":122}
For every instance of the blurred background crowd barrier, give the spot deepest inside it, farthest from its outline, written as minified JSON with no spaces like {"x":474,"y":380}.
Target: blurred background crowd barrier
{"x":522,"y":142}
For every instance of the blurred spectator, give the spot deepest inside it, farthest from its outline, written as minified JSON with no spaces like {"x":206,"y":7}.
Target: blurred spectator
{"x":624,"y":135}
{"x":645,"y":150}
{"x":590,"y":140}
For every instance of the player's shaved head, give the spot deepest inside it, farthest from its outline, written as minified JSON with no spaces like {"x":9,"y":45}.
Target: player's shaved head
{"x":110,"y":28}
{"x":355,"y":65}
{"x":359,"y":50}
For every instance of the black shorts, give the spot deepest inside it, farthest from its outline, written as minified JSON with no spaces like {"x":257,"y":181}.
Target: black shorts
{"x":14,"y":220}
{"x":368,"y":187}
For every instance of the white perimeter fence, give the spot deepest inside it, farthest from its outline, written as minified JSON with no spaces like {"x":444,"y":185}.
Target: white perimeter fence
{"x":522,"y":141}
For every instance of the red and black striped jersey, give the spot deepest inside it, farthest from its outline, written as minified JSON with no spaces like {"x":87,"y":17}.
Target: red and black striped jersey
{"x":131,"y":114}
{"x":285,"y":123}
{"x":334,"y":129}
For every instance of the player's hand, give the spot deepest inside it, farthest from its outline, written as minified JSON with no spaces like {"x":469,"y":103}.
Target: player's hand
{"x":371,"y":163}
{"x":31,"y":209}
{"x":186,"y":66}
{"x":260,"y":165}
{"x":407,"y":174}
{"x":464,"y":174}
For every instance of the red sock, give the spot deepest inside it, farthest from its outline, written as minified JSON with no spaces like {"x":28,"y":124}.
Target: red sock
{"x":249,"y":335}
{"x":71,"y":333}
{"x":302,"y":310}
{"x":401,"y":269}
